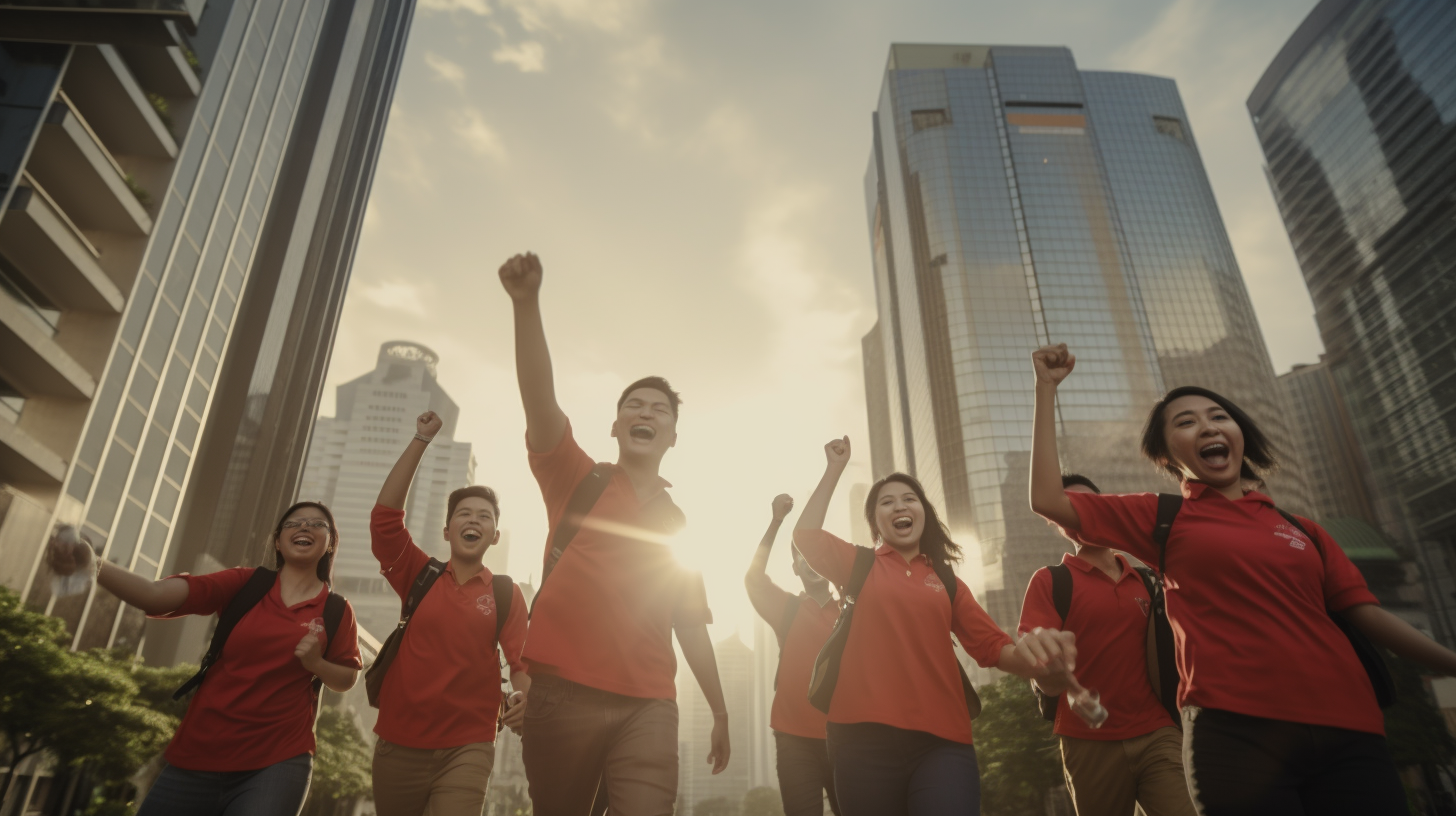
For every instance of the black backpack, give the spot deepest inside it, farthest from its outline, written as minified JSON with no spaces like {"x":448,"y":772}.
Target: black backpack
{"x":255,"y":590}
{"x":501,"y":586}
{"x":826,"y":665}
{"x":1365,"y":649}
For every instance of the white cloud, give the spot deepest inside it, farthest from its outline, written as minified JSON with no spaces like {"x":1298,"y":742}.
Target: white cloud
{"x":395,"y":296}
{"x":479,"y":136}
{"x":445,"y":70}
{"x":480,"y":7}
{"x":528,"y":56}
{"x":607,"y":15}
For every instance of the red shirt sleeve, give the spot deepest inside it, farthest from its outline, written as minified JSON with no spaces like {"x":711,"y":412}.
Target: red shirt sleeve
{"x":208,"y":594}
{"x":1122,"y":522}
{"x":558,"y":472}
{"x":692,"y":604}
{"x":768,"y":599}
{"x":344,"y":649}
{"x":399,"y":559}
{"x":979,"y":635}
{"x":1344,"y":585}
{"x":828,"y":555}
{"x":513,"y":634}
{"x":1038,"y":609}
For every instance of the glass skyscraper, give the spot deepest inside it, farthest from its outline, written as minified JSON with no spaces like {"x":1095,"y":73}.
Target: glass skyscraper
{"x":182,"y":217}
{"x":1015,"y":201}
{"x":1357,"y":119}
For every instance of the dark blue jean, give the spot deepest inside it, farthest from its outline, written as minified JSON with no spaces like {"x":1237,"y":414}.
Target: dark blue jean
{"x":880,"y":770}
{"x":277,"y":790}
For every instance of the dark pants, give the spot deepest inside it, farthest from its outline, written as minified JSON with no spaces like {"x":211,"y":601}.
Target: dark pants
{"x":277,"y":790}
{"x":880,"y":770}
{"x":805,"y":775}
{"x":577,"y":738}
{"x":1251,"y":766}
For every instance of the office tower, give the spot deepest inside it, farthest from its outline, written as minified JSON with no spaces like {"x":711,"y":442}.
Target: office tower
{"x":184,"y":193}
{"x":1014,"y":201}
{"x":697,"y":781}
{"x":353,"y":451}
{"x":762,"y":753}
{"x":1320,"y":427}
{"x":1357,"y":119}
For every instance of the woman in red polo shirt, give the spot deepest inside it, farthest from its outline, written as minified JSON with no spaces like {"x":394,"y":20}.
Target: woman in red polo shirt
{"x":899,"y":730}
{"x":245,"y":746}
{"x":1279,"y":715}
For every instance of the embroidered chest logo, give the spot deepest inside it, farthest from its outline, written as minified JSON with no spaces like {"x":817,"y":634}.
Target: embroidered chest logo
{"x":486,"y":604}
{"x":1296,"y":539}
{"x":1143,"y":605}
{"x":934,"y":583}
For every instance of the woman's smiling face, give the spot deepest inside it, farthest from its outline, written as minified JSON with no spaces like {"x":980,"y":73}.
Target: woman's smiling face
{"x":1204,"y":441}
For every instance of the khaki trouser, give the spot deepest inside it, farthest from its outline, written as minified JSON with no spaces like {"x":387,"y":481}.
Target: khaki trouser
{"x":1111,"y":777}
{"x":425,"y":782}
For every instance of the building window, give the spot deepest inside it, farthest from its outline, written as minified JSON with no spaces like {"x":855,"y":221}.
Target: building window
{"x":28,"y":298}
{"x":925,"y":119}
{"x":1168,"y":126}
{"x":11,"y":402}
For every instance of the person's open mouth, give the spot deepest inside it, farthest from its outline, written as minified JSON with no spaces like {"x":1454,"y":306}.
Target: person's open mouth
{"x":644,"y":432}
{"x":1216,"y":454}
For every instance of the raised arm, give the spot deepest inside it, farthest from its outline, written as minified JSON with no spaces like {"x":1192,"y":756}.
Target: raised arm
{"x":151,"y":597}
{"x":545,"y":421}
{"x":1048,"y":499}
{"x":836,"y":454}
{"x":397,"y":483}
{"x":697,"y":650}
{"x":761,"y":588}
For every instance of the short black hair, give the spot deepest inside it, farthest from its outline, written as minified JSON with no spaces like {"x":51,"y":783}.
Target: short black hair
{"x":478,"y":491}
{"x":657,"y":384}
{"x":1069,"y":479}
{"x":1257,"y":448}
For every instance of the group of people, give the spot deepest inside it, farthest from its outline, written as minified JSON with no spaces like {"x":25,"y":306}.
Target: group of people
{"x":1275,"y":713}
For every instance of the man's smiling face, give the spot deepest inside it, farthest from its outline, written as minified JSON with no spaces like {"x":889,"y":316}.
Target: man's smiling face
{"x":645,"y":426}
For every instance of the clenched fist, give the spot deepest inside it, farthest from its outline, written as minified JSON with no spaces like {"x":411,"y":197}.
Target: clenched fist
{"x":428,"y":424}
{"x":1053,"y":363}
{"x":837,"y":452}
{"x":782,"y":504}
{"x":309,"y":651}
{"x":521,"y":276}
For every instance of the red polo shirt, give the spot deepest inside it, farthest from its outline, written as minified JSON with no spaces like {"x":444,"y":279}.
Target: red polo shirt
{"x":899,"y":666}
{"x":256,"y":707}
{"x":1249,"y":597}
{"x":792,"y":713}
{"x":604,"y":618}
{"x":1111,"y":621}
{"x":443,"y":689}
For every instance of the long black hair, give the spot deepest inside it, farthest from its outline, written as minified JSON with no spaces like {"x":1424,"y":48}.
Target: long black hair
{"x":325,"y":564}
{"x":1257,"y":449}
{"x":935,"y":542}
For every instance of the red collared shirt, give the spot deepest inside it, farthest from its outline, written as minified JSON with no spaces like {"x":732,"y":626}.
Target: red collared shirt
{"x":1249,"y":597}
{"x":1110,"y":619}
{"x":792,"y":713}
{"x":443,"y":689}
{"x":256,"y":707}
{"x":604,"y":618}
{"x":899,"y":666}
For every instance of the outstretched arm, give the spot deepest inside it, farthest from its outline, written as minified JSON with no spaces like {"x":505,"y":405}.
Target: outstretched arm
{"x":397,"y":483}
{"x":697,"y":649}
{"x":836,"y":454}
{"x":1048,"y":499}
{"x":1400,"y":637}
{"x":761,"y":589}
{"x":151,"y":597}
{"x":545,"y":421}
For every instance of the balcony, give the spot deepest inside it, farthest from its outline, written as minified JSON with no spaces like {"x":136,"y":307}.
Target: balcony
{"x":26,"y":461}
{"x":53,"y":255}
{"x":116,"y":106}
{"x":119,"y":22}
{"x":82,"y":177}
{"x":163,"y":70}
{"x":32,"y":362}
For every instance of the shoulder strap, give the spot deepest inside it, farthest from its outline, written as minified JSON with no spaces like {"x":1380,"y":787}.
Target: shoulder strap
{"x":1168,"y":506}
{"x":947,"y":578}
{"x":582,"y":500}
{"x":864,"y":558}
{"x":1061,"y":589}
{"x":505,"y":592}
{"x":333,"y":616}
{"x":247,"y":597}
{"x":1150,"y":580}
{"x":421,"y":587}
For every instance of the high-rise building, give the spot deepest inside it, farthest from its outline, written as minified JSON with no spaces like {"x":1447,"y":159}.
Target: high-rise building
{"x":1357,"y":119}
{"x":353,"y":451}
{"x":1320,"y":427}
{"x":697,"y":781}
{"x":184,"y":185}
{"x":761,"y":752}
{"x":1015,"y":201}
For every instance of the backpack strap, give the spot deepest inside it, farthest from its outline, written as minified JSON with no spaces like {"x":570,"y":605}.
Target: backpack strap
{"x":1168,"y":506}
{"x":334,"y":607}
{"x":247,"y":597}
{"x":948,"y":580}
{"x":582,"y":500}
{"x":864,"y":558}
{"x":504,"y":590}
{"x":374,"y":675}
{"x":1061,"y":590}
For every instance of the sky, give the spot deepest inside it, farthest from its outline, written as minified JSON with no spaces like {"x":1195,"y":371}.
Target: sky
{"x":691,"y":176}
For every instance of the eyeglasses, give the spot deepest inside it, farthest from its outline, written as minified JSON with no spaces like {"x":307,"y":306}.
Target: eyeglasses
{"x":312,"y":524}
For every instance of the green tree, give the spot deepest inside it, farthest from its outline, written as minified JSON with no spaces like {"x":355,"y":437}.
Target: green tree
{"x":716,"y":806}
{"x":341,"y":763}
{"x":1019,"y":756}
{"x":762,"y":802}
{"x":79,"y":707}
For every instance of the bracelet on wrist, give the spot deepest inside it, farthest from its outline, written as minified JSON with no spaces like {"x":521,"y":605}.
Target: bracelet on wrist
{"x":425,"y":439}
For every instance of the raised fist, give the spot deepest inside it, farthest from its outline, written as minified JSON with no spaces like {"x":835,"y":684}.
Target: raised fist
{"x":1053,"y":363}
{"x":309,"y":651}
{"x":521,"y":276}
{"x":428,"y":424}
{"x":782,"y":504}
{"x":837,"y":451}
{"x":67,"y":552}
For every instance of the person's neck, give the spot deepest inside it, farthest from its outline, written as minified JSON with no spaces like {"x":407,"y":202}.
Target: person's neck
{"x":465,"y":570}
{"x":819,"y":592}
{"x":298,"y":582}
{"x":1103,"y":559}
{"x":642,"y":472}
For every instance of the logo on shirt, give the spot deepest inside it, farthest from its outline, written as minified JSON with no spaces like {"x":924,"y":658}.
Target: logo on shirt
{"x":486,"y":604}
{"x":1143,"y":605}
{"x":934,"y":583}
{"x":1296,"y":539}
{"x":315,"y":626}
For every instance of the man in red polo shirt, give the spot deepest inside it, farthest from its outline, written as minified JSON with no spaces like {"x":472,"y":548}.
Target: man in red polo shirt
{"x":1136,"y":757}
{"x":802,"y":622}
{"x":602,"y":708}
